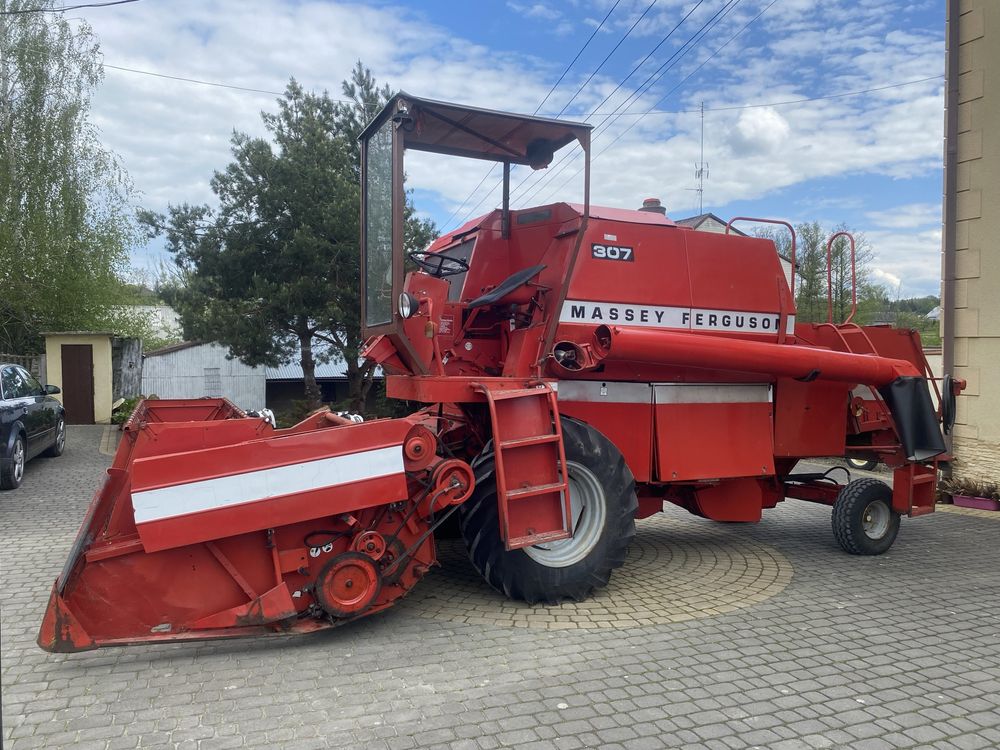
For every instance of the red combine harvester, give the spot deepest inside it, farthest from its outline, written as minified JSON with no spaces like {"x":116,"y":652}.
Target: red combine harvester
{"x":579,"y":367}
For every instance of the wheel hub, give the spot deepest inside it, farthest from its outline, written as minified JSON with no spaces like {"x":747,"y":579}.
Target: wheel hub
{"x":18,"y":461}
{"x":875,"y":519}
{"x":348,"y":584}
{"x":588,"y":509}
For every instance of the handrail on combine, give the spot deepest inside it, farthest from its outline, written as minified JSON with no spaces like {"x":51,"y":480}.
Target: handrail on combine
{"x":829,"y":278}
{"x":785,"y":224}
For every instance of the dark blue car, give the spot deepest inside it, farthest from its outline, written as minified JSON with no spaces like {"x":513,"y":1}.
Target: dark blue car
{"x":32,"y":423}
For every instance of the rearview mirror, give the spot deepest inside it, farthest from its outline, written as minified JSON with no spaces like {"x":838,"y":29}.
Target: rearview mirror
{"x":52,"y":390}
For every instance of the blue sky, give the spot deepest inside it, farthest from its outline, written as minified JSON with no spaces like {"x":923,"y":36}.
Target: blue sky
{"x":872,"y":160}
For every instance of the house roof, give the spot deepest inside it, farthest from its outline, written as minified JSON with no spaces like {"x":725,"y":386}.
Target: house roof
{"x":335,"y":369}
{"x":174,"y":348}
{"x":696,"y":221}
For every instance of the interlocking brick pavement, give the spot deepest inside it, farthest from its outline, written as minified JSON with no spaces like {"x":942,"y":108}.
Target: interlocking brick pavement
{"x":898,"y":651}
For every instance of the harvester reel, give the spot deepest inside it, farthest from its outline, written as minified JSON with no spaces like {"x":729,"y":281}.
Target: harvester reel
{"x":348,"y":585}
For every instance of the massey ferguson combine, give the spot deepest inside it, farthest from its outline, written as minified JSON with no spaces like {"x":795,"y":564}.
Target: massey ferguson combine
{"x":579,"y":368}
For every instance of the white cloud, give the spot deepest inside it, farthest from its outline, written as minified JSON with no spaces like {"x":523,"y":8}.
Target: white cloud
{"x":535,"y":10}
{"x":913,"y":258}
{"x":172,"y":135}
{"x":910,"y":216}
{"x":890,"y":279}
{"x":759,"y":131}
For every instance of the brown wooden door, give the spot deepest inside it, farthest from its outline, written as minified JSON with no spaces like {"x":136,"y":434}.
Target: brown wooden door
{"x":78,"y":383}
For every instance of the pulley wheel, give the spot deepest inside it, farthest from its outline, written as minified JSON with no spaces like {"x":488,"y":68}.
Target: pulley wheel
{"x":394,"y":550}
{"x":370,"y":543}
{"x":348,"y":584}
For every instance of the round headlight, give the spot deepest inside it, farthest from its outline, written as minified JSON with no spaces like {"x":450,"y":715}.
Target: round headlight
{"x":408,"y":305}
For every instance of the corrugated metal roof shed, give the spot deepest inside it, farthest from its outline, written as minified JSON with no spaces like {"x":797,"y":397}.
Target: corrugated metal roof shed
{"x":335,"y":369}
{"x":199,"y":369}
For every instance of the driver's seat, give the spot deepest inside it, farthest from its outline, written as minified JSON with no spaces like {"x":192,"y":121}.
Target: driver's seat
{"x":503,"y":291}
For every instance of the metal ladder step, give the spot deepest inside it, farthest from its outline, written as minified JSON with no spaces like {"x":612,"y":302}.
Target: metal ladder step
{"x":528,"y":441}
{"x":502,"y":395}
{"x":537,"y":489}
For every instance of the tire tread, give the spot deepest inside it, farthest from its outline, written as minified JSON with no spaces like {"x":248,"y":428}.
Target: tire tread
{"x":849,"y":504}
{"x":535,"y":583}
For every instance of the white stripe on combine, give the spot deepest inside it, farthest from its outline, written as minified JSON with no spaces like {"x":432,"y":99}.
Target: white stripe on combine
{"x":612,"y":392}
{"x":221,"y":492}
{"x":691,"y":393}
{"x":678,"y":318}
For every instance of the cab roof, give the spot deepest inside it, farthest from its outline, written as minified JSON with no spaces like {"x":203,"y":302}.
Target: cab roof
{"x":459,"y":130}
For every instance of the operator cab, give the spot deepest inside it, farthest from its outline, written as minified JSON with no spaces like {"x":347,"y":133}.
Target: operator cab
{"x":411,"y":123}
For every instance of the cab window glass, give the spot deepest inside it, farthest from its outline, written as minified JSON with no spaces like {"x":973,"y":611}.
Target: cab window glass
{"x":457,"y":281}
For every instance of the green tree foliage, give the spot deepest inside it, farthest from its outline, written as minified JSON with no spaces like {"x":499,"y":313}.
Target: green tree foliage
{"x":65,"y":222}
{"x":814,"y":287}
{"x":275,"y":269}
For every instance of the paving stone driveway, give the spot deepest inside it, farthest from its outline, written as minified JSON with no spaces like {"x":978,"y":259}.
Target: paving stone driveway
{"x":896,"y":651}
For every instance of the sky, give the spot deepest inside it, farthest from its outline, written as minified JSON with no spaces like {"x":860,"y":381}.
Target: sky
{"x":642,"y":71}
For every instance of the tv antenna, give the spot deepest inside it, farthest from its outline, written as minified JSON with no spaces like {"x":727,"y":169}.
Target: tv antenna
{"x":701,"y":168}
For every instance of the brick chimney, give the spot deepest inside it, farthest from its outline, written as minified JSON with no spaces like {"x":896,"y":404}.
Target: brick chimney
{"x":654,"y":206}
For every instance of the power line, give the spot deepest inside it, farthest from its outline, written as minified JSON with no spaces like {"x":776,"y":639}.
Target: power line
{"x":541,"y":177}
{"x":772,"y":104}
{"x":573,"y":61}
{"x":693,"y":41}
{"x":64,"y":8}
{"x":688,"y":77}
{"x":607,"y":57}
{"x":195,"y":80}
{"x":561,"y":77}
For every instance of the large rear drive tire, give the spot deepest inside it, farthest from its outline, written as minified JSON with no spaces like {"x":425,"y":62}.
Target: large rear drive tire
{"x":864,"y":522}
{"x":604,"y":504}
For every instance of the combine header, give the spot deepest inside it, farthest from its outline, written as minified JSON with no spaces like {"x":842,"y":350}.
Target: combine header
{"x":579,"y":367}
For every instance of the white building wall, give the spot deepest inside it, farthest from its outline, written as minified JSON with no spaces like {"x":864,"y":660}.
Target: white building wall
{"x":199,"y":371}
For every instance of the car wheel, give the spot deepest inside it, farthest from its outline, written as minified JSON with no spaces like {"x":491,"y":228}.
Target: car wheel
{"x":12,"y":474}
{"x":57,"y":448}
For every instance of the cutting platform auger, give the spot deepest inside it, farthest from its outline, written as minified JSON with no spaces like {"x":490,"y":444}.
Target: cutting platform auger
{"x":579,"y":367}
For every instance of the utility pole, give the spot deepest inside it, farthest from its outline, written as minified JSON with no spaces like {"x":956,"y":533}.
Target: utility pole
{"x":701,"y":168}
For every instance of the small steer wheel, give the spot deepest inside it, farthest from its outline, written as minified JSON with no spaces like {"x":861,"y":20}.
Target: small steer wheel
{"x":603,"y":504}
{"x":438,"y":264}
{"x":864,"y":522}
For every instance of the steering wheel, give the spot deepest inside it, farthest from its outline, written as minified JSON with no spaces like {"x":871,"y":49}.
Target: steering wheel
{"x":438,"y":264}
